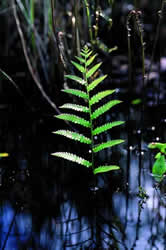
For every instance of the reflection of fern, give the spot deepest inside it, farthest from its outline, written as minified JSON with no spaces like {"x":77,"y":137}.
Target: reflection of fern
{"x":90,"y":99}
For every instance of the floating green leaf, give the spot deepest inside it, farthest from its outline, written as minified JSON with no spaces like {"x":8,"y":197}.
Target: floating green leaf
{"x":103,"y":169}
{"x":107,"y":144}
{"x":74,"y":136}
{"x":73,"y":157}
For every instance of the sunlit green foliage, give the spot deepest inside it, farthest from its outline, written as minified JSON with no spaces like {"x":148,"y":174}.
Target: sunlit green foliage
{"x":159,"y":166}
{"x":89,"y":83}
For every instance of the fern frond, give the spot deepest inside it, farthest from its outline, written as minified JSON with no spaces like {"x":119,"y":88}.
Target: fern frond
{"x":76,"y":92}
{"x":75,"y":119}
{"x":76,"y":79}
{"x":107,"y":144}
{"x":93,"y":70}
{"x":86,"y":55}
{"x":104,"y":108}
{"x":91,"y":60}
{"x":94,"y":84}
{"x":73,"y":157}
{"x":74,"y":136}
{"x":75,"y":107}
{"x":82,"y":60}
{"x":99,"y":96}
{"x":79,"y":67}
{"x":105,"y":127}
{"x":103,"y":169}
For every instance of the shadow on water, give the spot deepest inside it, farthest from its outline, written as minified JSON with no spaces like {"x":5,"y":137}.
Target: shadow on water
{"x":49,"y":204}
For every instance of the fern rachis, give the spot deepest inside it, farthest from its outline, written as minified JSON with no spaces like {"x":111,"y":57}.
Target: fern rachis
{"x":84,"y":65}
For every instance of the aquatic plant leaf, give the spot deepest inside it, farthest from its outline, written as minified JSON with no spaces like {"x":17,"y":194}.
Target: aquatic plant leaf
{"x":93,"y":70}
{"x":99,"y":96}
{"x":104,"y":108}
{"x":107,"y":144}
{"x":103,"y":169}
{"x":158,"y":145}
{"x":106,"y":126}
{"x":82,"y":60}
{"x":73,"y":157}
{"x":75,"y":107}
{"x":79,"y":67}
{"x":94,"y":84}
{"x":91,"y":60}
{"x":159,"y":167}
{"x":76,"y":92}
{"x":74,"y":136}
{"x":76,"y":79}
{"x":75,"y":119}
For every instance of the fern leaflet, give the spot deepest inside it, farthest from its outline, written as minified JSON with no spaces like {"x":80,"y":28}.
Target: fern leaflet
{"x":75,"y":107}
{"x":75,"y":119}
{"x":104,"y":108}
{"x":107,"y":144}
{"x":74,"y":136}
{"x":73,"y":157}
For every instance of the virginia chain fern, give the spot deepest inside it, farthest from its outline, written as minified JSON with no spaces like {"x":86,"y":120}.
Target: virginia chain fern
{"x":88,"y":85}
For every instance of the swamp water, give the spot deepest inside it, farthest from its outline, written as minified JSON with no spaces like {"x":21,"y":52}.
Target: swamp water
{"x":50,"y":204}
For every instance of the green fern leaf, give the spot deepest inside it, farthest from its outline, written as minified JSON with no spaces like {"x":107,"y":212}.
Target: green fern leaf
{"x":94,"y":84}
{"x":86,"y":55}
{"x":79,"y":67}
{"x":103,"y":169}
{"x":75,"y":119}
{"x":93,"y":70}
{"x":76,"y":92}
{"x":91,"y":60}
{"x":99,"y":96}
{"x":104,"y":108}
{"x":106,"y":126}
{"x":82,"y":60}
{"x":75,"y":107}
{"x":73,"y":157}
{"x":74,"y":136}
{"x":107,"y":144}
{"x":76,"y":78}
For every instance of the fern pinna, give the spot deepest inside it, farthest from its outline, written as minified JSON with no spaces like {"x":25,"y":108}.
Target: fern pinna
{"x":89,"y":84}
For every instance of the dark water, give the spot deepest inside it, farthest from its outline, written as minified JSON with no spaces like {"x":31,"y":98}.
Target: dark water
{"x":50,"y":204}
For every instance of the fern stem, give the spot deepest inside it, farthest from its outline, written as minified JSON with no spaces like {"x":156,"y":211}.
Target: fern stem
{"x":89,"y":20}
{"x":90,"y":117}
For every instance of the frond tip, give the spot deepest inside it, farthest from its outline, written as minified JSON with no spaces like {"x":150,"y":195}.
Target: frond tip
{"x":73,"y":157}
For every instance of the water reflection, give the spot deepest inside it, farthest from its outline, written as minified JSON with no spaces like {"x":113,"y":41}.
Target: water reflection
{"x":48,"y":204}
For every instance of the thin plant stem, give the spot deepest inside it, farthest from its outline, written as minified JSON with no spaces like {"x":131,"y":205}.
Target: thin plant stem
{"x":160,"y":13}
{"x":89,"y":20}
{"x":30,"y":67}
